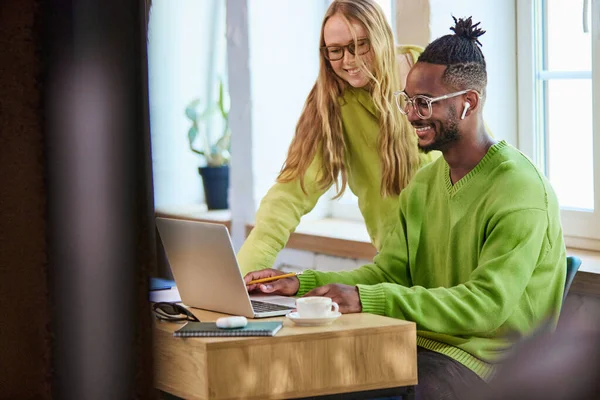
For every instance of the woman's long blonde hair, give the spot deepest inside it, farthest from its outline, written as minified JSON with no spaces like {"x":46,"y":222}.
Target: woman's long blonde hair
{"x":320,"y":125}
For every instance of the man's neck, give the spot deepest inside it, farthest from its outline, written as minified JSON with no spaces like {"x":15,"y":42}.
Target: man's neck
{"x":466,"y":154}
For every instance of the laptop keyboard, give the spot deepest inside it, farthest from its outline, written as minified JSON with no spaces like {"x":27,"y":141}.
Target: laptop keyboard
{"x":260,"y":306}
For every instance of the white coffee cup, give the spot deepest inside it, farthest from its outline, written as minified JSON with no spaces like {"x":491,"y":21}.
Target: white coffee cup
{"x":316,"y":307}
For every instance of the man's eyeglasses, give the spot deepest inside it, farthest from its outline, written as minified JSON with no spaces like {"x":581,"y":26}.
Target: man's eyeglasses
{"x":336,"y":53}
{"x":172,"y":312}
{"x":422,"y":104}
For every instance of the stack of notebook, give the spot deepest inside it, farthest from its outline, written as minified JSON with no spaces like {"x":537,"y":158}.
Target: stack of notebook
{"x":204,"y":329}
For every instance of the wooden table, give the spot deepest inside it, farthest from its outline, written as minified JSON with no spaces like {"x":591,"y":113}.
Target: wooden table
{"x":358,"y":352}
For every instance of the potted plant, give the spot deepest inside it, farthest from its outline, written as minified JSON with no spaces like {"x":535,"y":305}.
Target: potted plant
{"x":214,"y":149}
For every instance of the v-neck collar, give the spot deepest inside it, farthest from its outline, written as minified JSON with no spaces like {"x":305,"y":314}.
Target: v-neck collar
{"x":365,"y":99}
{"x":453,"y":189}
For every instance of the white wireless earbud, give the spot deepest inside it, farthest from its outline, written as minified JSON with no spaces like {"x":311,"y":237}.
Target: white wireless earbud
{"x":464,"y":113}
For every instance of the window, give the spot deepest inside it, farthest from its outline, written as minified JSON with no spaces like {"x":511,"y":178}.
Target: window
{"x":388,"y":7}
{"x":558,"y":72}
{"x":186,"y":57}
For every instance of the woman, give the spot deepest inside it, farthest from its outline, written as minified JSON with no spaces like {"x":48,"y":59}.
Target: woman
{"x":350,"y":133}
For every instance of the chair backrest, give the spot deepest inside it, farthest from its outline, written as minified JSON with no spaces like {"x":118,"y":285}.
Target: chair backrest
{"x":573,"y":264}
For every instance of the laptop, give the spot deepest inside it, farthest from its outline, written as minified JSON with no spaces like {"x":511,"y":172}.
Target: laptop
{"x":206,"y":271}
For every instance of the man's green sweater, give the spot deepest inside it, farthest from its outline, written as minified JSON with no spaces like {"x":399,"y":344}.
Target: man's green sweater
{"x":470,"y":263}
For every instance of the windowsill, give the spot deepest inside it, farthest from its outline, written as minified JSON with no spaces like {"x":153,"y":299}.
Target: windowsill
{"x":195,"y":212}
{"x":333,"y":237}
{"x":349,"y":239}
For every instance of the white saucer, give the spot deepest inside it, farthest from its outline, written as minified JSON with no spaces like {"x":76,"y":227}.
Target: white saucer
{"x":313,"y":321}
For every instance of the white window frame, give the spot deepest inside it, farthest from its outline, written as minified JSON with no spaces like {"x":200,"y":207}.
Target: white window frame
{"x":581,"y":228}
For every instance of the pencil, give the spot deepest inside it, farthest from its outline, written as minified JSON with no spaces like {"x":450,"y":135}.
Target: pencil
{"x":273,"y":278}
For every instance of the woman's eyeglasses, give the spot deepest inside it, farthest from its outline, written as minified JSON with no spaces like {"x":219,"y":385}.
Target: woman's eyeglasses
{"x":336,"y":53}
{"x":172,"y":312}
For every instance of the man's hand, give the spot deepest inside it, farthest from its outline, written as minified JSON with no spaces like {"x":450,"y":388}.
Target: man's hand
{"x":284,"y":286}
{"x":344,"y":295}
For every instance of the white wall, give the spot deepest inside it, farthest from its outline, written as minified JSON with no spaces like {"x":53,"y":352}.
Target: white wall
{"x":498,"y":18}
{"x":412,"y":22}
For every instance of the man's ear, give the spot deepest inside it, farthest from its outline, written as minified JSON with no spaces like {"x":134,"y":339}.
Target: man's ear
{"x":473,"y":101}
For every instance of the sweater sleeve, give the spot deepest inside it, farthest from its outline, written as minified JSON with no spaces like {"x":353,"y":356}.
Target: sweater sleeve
{"x":412,"y":49}
{"x":513,"y":248}
{"x":277,"y":217}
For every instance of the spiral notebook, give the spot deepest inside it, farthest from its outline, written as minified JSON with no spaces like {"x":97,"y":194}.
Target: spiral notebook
{"x":205,"y":329}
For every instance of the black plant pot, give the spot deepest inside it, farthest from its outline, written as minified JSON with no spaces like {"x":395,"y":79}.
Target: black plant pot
{"x":216,"y":185}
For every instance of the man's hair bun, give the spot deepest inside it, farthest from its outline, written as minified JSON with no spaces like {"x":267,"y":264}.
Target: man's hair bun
{"x":464,"y":28}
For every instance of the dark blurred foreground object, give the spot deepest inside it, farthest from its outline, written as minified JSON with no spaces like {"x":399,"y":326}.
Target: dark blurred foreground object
{"x":100,"y":211}
{"x":561,"y":365}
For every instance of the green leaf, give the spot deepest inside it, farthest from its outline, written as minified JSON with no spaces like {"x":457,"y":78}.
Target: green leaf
{"x":224,"y":112}
{"x":221,"y":101}
{"x":197,"y":151}
{"x":190,"y":110}
{"x":192,"y":134}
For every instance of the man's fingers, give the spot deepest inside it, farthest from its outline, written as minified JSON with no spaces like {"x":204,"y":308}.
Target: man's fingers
{"x":319,"y":291}
{"x":270,"y":287}
{"x":250,"y":276}
{"x":266,"y":288}
{"x":286,"y":286}
{"x":344,"y":308}
{"x":250,"y":288}
{"x":264,"y":273}
{"x":345,"y":296}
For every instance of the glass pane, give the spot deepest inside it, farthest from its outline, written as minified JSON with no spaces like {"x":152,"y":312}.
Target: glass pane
{"x":386,"y":6}
{"x":568,"y":47}
{"x":570,"y":142}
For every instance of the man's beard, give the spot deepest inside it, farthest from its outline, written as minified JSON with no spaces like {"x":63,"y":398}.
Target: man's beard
{"x":448,"y":133}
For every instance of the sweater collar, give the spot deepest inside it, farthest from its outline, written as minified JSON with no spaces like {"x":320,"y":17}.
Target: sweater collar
{"x":363,"y":97}
{"x":453,"y":189}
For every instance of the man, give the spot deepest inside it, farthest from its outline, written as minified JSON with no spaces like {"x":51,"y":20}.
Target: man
{"x":478,"y":254}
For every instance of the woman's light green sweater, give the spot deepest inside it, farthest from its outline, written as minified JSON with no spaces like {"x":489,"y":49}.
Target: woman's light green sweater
{"x":284,"y":204}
